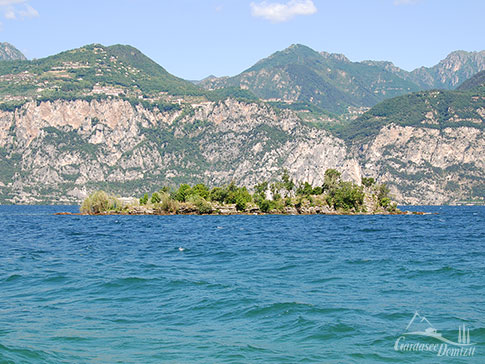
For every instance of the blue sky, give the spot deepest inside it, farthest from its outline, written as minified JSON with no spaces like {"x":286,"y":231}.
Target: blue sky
{"x":195,"y":38}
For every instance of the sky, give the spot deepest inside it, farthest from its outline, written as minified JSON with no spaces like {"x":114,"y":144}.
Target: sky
{"x":197,"y":38}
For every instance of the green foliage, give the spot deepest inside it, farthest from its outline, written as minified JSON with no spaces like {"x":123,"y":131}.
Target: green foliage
{"x":144,"y":199}
{"x":265,"y":205}
{"x":331,"y":181}
{"x":317,"y":190}
{"x":218,"y":194}
{"x":167,"y":204}
{"x":477,"y":80}
{"x":412,"y":109}
{"x":200,"y":190}
{"x":99,"y":202}
{"x":383,"y":196}
{"x":156,"y":198}
{"x":323,"y":82}
{"x":348,"y":196}
{"x":231,"y":92}
{"x":287,"y":181}
{"x":368,"y":181}
{"x":242,"y":197}
{"x":203,"y":207}
{"x":260,"y":190}
{"x":183,"y":192}
{"x":304,"y":189}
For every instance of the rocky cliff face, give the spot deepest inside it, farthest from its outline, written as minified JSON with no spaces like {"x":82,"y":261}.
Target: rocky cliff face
{"x":58,"y":151}
{"x":451,"y":71}
{"x":9,"y":53}
{"x":427,"y":166}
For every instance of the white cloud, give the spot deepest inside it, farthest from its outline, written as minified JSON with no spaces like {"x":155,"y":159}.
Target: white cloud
{"x":28,"y":12}
{"x":10,"y":14}
{"x":281,"y":12}
{"x":13,"y":10}
{"x":10,"y":2}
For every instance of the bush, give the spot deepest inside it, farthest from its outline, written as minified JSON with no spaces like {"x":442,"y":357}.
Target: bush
{"x":218,"y":194}
{"x":383,"y":195}
{"x":200,"y":190}
{"x":167,"y":204}
{"x":348,"y":196}
{"x":265,"y":205}
{"x":203,"y":207}
{"x":242,"y":197}
{"x":331,"y":180}
{"x":305,"y":189}
{"x":183,"y":192}
{"x":99,"y":202}
{"x":155,"y":198}
{"x":317,"y":190}
{"x":368,"y":181}
{"x":144,"y":199}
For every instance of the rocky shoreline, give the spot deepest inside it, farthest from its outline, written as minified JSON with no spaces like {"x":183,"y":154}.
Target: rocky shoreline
{"x":229,"y":210}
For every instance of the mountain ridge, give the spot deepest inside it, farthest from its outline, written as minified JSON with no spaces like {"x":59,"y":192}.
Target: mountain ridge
{"x":8,"y":52}
{"x":336,"y":83}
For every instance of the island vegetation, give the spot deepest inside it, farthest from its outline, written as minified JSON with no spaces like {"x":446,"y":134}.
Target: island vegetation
{"x":284,"y":196}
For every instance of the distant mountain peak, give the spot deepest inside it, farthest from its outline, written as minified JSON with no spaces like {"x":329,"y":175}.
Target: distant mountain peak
{"x":9,"y":53}
{"x":336,"y":56}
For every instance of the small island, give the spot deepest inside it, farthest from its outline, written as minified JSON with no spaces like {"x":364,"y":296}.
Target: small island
{"x":284,"y":197}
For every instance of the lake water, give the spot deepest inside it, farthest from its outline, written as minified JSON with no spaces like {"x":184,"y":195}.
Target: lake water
{"x":239,"y":289}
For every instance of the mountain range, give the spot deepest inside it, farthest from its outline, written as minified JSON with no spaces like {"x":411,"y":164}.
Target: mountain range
{"x":332,"y":82}
{"x":110,"y":117}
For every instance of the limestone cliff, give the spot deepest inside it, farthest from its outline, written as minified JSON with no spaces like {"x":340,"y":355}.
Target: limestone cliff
{"x":58,"y":151}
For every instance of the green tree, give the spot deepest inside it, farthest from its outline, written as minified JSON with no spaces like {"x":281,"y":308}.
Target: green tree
{"x":200,"y":190}
{"x":383,"y":195}
{"x":348,"y":196}
{"x":331,"y":180}
{"x":144,"y":199}
{"x":304,"y":189}
{"x":218,"y":194}
{"x":242,"y":197}
{"x":183,"y":192}
{"x":155,"y":198}
{"x":287,"y":182}
{"x":368,"y":181}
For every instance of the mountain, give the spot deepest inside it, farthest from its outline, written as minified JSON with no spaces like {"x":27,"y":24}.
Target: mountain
{"x":328,"y":81}
{"x":332,"y":82}
{"x":9,"y":53}
{"x":478,"y":80}
{"x":90,"y":71}
{"x":110,"y":118}
{"x":451,"y":71}
{"x":434,"y":138}
{"x":58,"y":151}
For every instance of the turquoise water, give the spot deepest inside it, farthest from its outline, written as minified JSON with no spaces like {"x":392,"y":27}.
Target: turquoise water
{"x":237,"y":289}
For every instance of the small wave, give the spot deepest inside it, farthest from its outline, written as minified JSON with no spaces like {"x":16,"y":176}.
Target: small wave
{"x":13,"y":277}
{"x":277,"y":308}
{"x":127,"y":282}
{"x":56,"y":279}
{"x":443,"y":270}
{"x":19,"y":355}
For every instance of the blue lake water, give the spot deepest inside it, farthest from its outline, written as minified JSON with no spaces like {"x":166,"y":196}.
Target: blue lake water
{"x":238,"y":289}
